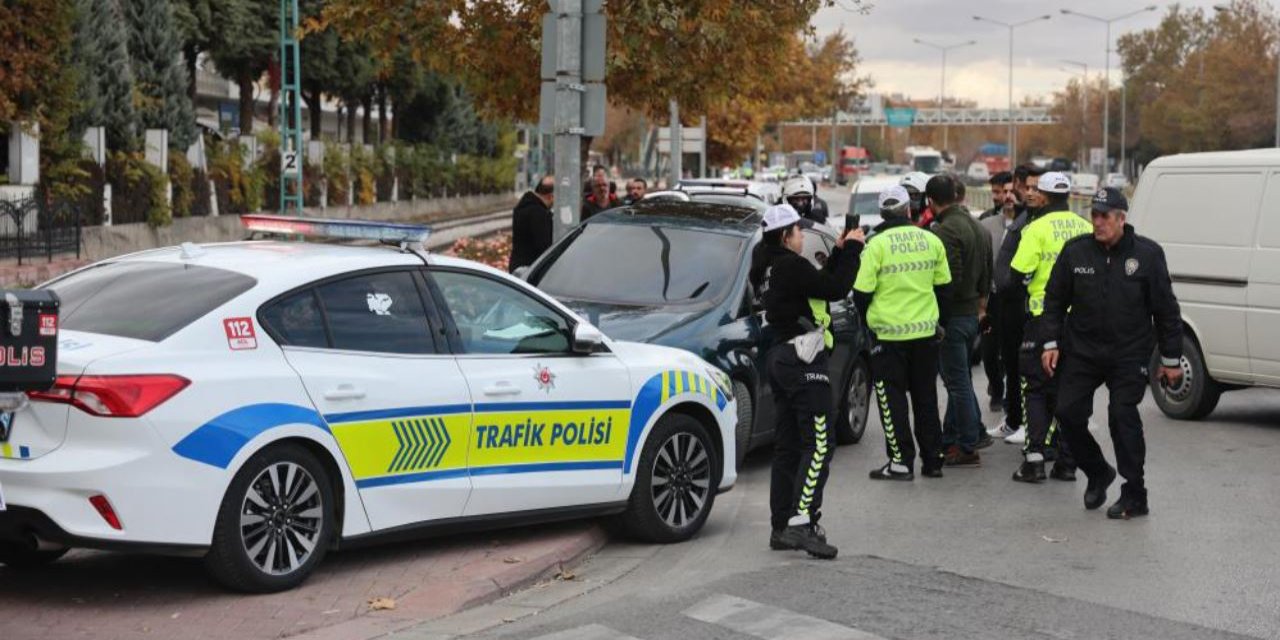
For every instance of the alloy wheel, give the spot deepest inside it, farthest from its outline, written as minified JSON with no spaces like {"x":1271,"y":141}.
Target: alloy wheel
{"x":281,"y":518}
{"x":681,"y":479}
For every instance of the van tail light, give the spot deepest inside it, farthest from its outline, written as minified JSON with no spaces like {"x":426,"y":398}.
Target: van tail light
{"x":127,"y":396}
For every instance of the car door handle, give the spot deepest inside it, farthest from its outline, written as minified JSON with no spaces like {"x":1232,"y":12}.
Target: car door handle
{"x":344,"y":392}
{"x":502,"y":389}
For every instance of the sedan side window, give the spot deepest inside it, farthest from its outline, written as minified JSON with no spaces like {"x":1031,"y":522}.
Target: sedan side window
{"x":495,"y":318}
{"x":297,"y":321}
{"x":379,"y":312}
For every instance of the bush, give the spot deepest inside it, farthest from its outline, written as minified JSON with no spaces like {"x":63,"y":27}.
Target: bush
{"x":181,"y":176}
{"x":230,"y":180}
{"x":138,"y":191}
{"x":336,"y":172}
{"x":384,"y":174}
{"x":362,"y":168}
{"x":89,"y":200}
{"x":495,"y":251}
{"x":200,"y":193}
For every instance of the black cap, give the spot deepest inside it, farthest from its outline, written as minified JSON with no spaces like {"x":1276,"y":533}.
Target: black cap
{"x":1110,"y":199}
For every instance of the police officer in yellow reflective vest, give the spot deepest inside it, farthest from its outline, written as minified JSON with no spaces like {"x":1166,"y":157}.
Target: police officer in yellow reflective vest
{"x":795,"y":295}
{"x":902,"y":292}
{"x":1038,"y":250}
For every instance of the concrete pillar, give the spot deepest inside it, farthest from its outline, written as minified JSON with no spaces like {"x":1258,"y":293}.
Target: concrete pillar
{"x":157,"y":149}
{"x":24,"y":152}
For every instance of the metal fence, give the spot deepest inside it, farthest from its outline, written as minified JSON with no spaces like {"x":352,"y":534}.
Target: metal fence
{"x":31,"y":228}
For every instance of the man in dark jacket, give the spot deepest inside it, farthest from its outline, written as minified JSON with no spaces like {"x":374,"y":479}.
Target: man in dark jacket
{"x":795,"y":295}
{"x":1108,"y":303}
{"x":1002,"y":383}
{"x":969,"y":260}
{"x":1012,"y":295}
{"x":600,"y":198}
{"x":531,"y":224}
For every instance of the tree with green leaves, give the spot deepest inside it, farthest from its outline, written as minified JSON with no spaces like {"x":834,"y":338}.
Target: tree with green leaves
{"x":160,"y":79}
{"x":246,"y":51}
{"x":205,"y":26}
{"x":35,"y":34}
{"x":100,"y":52}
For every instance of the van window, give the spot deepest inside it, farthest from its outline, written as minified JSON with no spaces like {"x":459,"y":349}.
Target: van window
{"x":1214,"y":209}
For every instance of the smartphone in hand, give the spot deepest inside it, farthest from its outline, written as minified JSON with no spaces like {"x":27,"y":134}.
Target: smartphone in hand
{"x":851,"y":221}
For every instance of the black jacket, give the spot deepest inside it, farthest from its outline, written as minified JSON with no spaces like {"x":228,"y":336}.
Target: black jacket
{"x":530,"y":231}
{"x":1002,"y":275}
{"x":787,"y":282}
{"x":1112,"y":304}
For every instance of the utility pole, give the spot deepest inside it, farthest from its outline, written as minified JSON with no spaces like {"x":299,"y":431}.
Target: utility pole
{"x":1106,"y":89}
{"x":290,"y":110}
{"x":677,"y":146}
{"x":1013,"y":131}
{"x":568,"y":116}
{"x":942,"y":89}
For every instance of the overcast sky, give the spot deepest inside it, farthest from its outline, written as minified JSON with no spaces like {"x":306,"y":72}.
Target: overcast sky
{"x":884,"y":36}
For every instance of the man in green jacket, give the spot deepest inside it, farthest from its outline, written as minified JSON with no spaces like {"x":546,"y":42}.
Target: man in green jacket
{"x":969,"y":258}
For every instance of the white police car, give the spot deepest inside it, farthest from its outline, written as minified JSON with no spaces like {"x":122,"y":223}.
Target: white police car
{"x":263,"y":402}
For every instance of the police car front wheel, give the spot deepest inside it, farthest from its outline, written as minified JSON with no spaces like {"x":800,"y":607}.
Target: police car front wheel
{"x":676,"y":480}
{"x":275,"y":523}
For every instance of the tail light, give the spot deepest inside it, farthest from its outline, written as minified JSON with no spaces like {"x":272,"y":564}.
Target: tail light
{"x":127,"y":396}
{"x":108,"y":513}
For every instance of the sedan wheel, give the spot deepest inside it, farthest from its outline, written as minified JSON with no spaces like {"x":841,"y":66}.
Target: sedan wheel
{"x":676,"y":481}
{"x":275,"y":522}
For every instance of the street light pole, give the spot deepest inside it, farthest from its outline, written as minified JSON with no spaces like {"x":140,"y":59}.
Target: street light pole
{"x":1084,"y":110}
{"x":1106,"y":92}
{"x":1013,"y":139}
{"x":942,"y":89}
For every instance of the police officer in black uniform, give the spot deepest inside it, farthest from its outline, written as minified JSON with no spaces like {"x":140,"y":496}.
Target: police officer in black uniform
{"x":795,"y":295}
{"x":1109,"y":301}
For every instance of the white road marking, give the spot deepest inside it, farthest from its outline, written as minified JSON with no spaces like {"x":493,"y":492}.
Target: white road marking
{"x":770,"y":623}
{"x":588,"y":632}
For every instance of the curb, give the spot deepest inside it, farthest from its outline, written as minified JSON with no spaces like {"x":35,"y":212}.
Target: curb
{"x":482,"y":581}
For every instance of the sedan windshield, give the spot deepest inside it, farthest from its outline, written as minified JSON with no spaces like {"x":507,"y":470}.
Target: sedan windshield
{"x":644,"y":266}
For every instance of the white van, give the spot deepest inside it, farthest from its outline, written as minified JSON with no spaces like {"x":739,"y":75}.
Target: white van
{"x":1217,"y":215}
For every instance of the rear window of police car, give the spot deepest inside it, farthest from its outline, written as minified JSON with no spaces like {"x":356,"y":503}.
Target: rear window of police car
{"x":144,"y":300}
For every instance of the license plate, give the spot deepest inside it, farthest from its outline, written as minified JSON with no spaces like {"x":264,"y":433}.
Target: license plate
{"x":6,"y":425}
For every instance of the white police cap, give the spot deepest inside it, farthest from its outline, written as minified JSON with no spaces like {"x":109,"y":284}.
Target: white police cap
{"x":779,"y":216}
{"x":894,"y":196}
{"x":1054,"y":182}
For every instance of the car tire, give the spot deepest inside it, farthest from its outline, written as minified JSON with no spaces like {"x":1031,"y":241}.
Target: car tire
{"x":280,"y":503}
{"x":19,"y":556}
{"x":677,"y":460}
{"x":855,"y":404}
{"x":1196,"y":396}
{"x":746,"y":420}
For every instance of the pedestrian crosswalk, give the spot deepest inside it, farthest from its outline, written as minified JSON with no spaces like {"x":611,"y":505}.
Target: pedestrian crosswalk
{"x":740,"y":616}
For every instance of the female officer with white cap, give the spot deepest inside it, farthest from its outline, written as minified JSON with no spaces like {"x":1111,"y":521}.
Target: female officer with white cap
{"x":795,"y":295}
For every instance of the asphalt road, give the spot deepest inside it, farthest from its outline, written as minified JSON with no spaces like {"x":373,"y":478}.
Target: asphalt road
{"x":975,"y":555}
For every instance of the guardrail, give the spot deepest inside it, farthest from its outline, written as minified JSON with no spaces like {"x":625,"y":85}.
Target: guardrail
{"x":30,"y":227}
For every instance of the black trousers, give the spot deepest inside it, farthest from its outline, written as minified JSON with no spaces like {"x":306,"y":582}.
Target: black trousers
{"x":1012,"y":319}
{"x":898,"y":369}
{"x":1078,"y":379}
{"x":991,"y":346}
{"x":803,"y":443}
{"x":1040,"y":398}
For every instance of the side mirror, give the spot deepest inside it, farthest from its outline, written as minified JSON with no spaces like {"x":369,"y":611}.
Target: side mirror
{"x":586,"y":339}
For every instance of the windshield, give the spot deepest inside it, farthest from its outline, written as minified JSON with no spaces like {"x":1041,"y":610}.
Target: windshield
{"x":644,"y":265}
{"x":866,"y":203}
{"x":927,"y":164}
{"x":144,"y":300}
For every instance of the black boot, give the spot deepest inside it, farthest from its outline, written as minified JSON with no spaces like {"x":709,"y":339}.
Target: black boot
{"x":1032,"y":472}
{"x":1063,"y":471}
{"x":805,"y":538}
{"x":1128,"y":506}
{"x":1095,"y":494}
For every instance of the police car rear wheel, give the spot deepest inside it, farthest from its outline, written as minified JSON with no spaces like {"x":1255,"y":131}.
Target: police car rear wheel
{"x":19,"y":556}
{"x":855,"y":405}
{"x":275,"y":522}
{"x":746,"y":417}
{"x":1193,"y":398}
{"x":676,"y":482}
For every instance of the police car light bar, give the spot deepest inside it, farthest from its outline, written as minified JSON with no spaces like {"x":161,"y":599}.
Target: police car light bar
{"x":343,"y":229}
